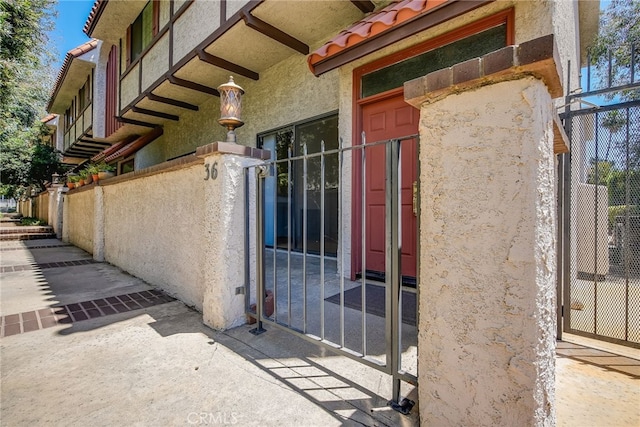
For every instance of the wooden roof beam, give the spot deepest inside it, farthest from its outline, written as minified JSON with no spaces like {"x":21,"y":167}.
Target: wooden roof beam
{"x":226,"y":65}
{"x":365,"y":6}
{"x":193,"y":86}
{"x":153,"y":113}
{"x":174,"y":102}
{"x":274,"y":33}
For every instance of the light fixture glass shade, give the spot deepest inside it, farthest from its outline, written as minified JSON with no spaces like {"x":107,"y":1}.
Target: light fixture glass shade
{"x":230,"y":107}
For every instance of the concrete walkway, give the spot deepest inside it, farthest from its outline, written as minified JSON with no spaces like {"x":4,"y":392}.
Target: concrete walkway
{"x":83,"y":343}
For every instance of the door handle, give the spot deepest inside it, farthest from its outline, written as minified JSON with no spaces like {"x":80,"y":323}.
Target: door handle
{"x":414,"y":198}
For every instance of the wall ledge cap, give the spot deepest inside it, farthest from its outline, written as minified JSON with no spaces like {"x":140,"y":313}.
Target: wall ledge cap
{"x":232,"y":148}
{"x":537,"y":58}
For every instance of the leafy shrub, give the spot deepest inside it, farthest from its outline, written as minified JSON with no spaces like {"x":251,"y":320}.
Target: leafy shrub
{"x":28,"y":220}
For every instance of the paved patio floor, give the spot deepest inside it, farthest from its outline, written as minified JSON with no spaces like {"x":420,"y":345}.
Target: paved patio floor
{"x":95,"y":346}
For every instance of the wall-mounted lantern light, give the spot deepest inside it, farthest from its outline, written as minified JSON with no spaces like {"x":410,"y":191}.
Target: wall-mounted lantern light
{"x":230,"y":107}
{"x":55,"y":180}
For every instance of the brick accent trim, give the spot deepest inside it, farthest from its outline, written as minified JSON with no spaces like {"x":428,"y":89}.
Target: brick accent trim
{"x":536,"y":58}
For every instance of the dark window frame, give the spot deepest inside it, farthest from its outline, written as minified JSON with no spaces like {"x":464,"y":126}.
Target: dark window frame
{"x":505,"y":17}
{"x":135,"y":32}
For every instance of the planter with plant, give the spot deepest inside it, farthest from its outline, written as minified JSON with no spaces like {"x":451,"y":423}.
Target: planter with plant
{"x":83,"y":177}
{"x":105,"y":171}
{"x":88,"y":179}
{"x":72,"y":181}
{"x":93,"y":171}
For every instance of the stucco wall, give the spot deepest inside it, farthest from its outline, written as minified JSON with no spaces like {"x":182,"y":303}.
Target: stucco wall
{"x":195,"y":128}
{"x":266,"y":105}
{"x":487,"y":273}
{"x":196,"y":23}
{"x":286,"y":93}
{"x":79,"y":218}
{"x":99,"y":86}
{"x":234,"y":6}
{"x":129,"y":86}
{"x":153,"y":228}
{"x":164,"y":13}
{"x":41,"y":206}
{"x":156,"y":61}
{"x":150,"y":155}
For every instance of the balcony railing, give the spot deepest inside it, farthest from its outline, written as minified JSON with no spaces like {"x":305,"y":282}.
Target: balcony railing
{"x":189,"y":23}
{"x":79,"y":127}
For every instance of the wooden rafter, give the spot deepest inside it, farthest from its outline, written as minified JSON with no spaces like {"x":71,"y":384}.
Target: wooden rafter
{"x":226,"y":65}
{"x":193,"y":86}
{"x":153,"y":113}
{"x":365,"y":6}
{"x":275,"y":33}
{"x":135,"y":122}
{"x":174,"y":102}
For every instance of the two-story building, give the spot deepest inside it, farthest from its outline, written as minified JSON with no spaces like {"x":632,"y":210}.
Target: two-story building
{"x":325,"y":75}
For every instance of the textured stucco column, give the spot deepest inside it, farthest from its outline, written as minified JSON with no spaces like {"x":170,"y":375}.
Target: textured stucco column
{"x":51,"y":211}
{"x":59,"y":207}
{"x":487,"y":274}
{"x":224,"y":245}
{"x":65,"y":218}
{"x":98,"y":224}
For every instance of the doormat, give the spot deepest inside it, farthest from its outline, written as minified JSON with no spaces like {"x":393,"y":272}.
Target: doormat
{"x":376,"y":302}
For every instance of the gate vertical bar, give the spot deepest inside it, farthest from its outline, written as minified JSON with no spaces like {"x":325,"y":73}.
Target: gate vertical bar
{"x":259,"y":250}
{"x":392,"y":261}
{"x":304,"y":238}
{"x":289,"y":169}
{"x":566,"y":220}
{"x":322,"y":184}
{"x":247,"y":239}
{"x":275,"y":239}
{"x":340,"y":236}
{"x":560,"y":247}
{"x":363,"y":242}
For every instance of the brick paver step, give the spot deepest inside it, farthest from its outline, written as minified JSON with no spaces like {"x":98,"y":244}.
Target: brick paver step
{"x":28,"y":229}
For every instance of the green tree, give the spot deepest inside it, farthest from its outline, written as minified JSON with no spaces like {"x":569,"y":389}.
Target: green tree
{"x":613,"y":122}
{"x":25,"y":82}
{"x":619,"y":31}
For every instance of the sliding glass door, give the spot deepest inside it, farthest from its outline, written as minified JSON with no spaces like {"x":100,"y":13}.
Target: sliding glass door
{"x":294,"y":188}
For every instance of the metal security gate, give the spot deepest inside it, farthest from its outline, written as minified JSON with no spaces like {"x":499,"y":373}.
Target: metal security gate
{"x":306,"y":288}
{"x":601,"y":216}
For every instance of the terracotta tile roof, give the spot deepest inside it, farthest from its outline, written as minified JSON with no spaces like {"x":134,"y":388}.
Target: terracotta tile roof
{"x":136,"y":144}
{"x":71,"y":55}
{"x":96,"y":11}
{"x":115,"y":147}
{"x":395,"y":14}
{"x":48,"y":118}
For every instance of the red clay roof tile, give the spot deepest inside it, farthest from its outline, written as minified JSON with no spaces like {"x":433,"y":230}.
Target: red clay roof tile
{"x":48,"y":118}
{"x":95,"y":11}
{"x":376,"y":23}
{"x":71,"y":55}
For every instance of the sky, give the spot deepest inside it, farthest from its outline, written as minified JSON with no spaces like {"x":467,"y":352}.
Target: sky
{"x":72,"y":14}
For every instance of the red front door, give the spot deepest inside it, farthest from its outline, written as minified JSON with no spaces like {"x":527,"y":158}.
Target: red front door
{"x":383,"y":120}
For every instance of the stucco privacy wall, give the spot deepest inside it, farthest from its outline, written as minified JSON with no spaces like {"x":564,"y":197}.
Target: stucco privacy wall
{"x":224,"y":241}
{"x":79,"y":212}
{"x":153,"y":227}
{"x":41,"y":206}
{"x":487,"y":272}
